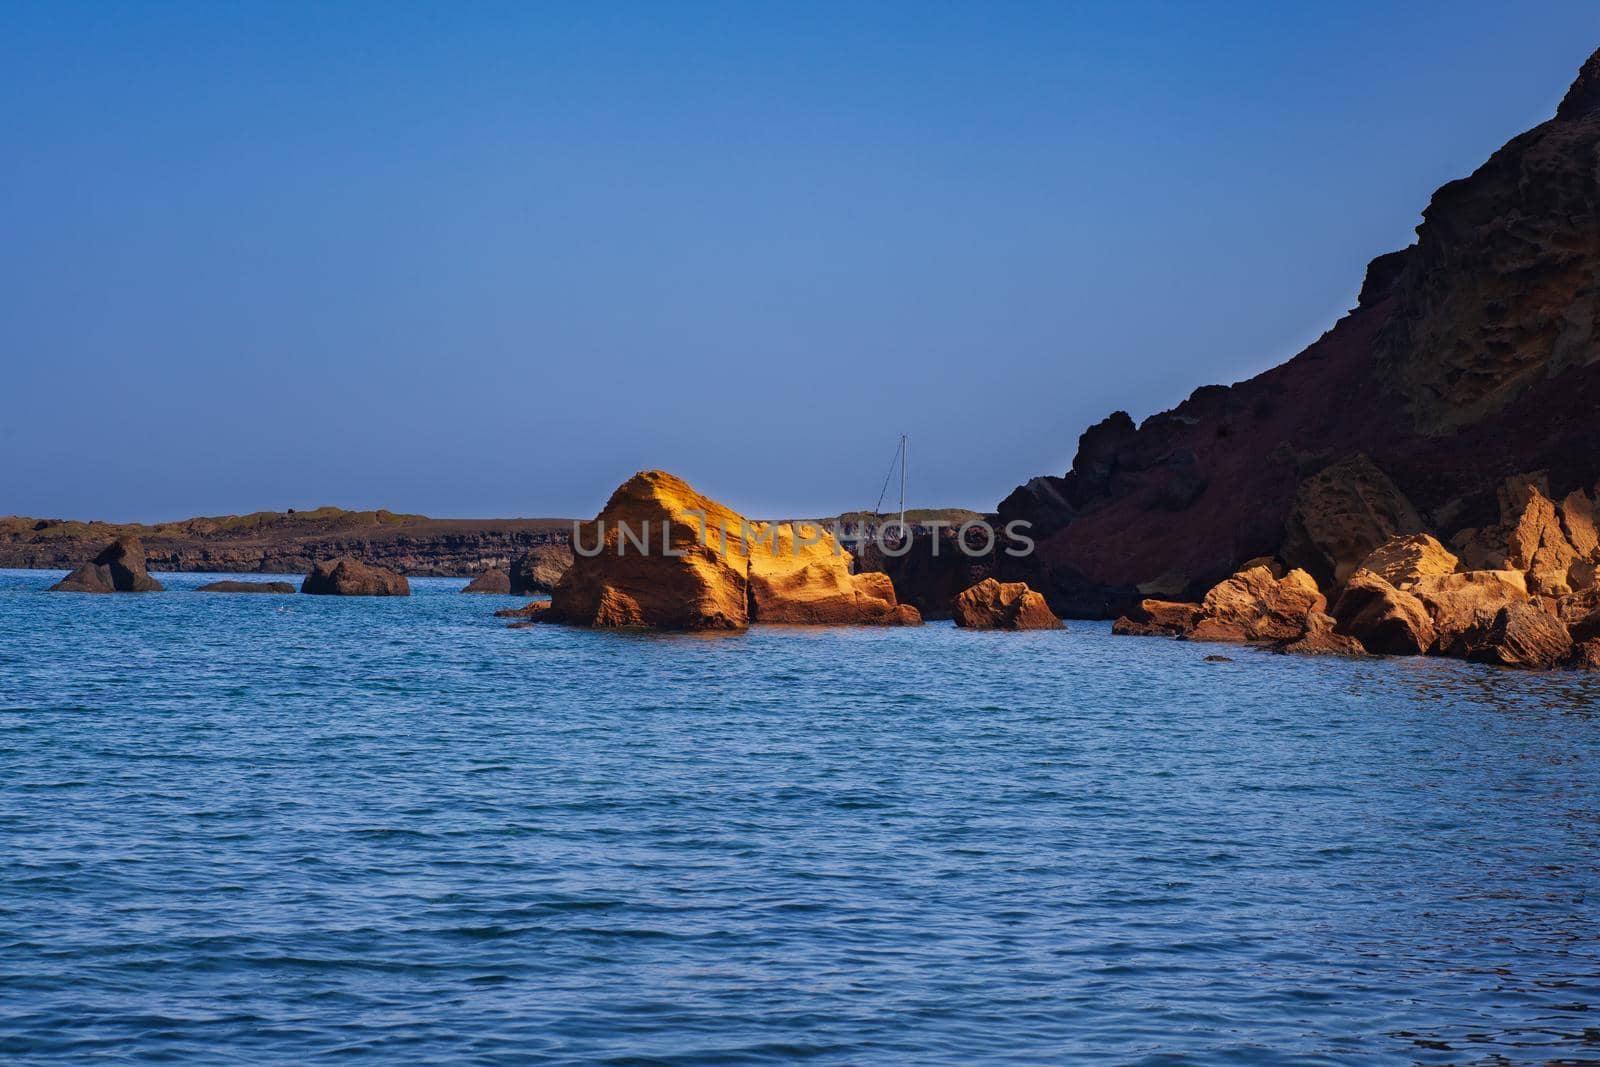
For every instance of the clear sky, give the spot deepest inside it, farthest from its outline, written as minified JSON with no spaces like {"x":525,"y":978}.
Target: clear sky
{"x":484,"y":259}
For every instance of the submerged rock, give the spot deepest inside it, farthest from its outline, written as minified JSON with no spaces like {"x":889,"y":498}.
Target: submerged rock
{"x":119,"y":568}
{"x":349,"y":577}
{"x":663,"y":556}
{"x":992,"y":605}
{"x":245,"y":587}
{"x":490,"y":581}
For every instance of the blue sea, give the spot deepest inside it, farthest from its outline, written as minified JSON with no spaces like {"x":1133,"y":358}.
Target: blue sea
{"x":283,"y":829}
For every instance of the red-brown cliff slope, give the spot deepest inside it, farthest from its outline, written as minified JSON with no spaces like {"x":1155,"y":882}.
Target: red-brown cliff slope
{"x":1471,"y":357}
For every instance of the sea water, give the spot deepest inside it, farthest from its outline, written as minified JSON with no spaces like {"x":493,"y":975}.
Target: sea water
{"x":253,"y":829}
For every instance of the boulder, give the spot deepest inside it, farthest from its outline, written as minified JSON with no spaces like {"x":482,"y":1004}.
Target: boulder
{"x":490,"y":581}
{"x":527,"y":611}
{"x":1538,"y":545}
{"x":1521,"y":636}
{"x":1409,"y":558}
{"x":1322,"y":639}
{"x":1158,"y":618}
{"x":992,"y":605}
{"x":1260,"y":606}
{"x":538,"y":570}
{"x":804,"y":578}
{"x":118,"y":568}
{"x":1466,"y":602}
{"x":1384,"y":619}
{"x":245,"y":587}
{"x":1207,"y":628}
{"x":1586,"y":655}
{"x":663,"y":556}
{"x":350,"y":577}
{"x":1580,"y":613}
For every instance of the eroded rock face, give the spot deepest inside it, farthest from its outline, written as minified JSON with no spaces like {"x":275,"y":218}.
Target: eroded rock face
{"x":350,"y":577}
{"x":1384,"y":619}
{"x":1261,"y":607}
{"x":1522,"y":636}
{"x":662,"y":556}
{"x":992,"y":605}
{"x":1341,"y":515}
{"x":1586,"y":655}
{"x":119,"y":568}
{"x":539,"y":569}
{"x":1466,"y":603}
{"x":1403,"y":560}
{"x":490,"y":581}
{"x":245,"y":587}
{"x":1158,"y":618}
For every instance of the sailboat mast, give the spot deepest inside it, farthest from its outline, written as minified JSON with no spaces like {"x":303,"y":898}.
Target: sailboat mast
{"x":905,"y":450}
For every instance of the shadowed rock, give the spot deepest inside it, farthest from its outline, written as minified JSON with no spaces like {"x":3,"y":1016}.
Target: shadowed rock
{"x":492,"y":581}
{"x":119,"y":568}
{"x":1522,"y":636}
{"x":540,"y":569}
{"x":245,"y":587}
{"x":349,"y":577}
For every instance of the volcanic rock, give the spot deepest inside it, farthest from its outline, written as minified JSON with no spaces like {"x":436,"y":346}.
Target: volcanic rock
{"x":539,"y":569}
{"x":349,"y":577}
{"x":663,"y":556}
{"x":1521,"y":636}
{"x":1158,"y":618}
{"x":245,"y":587}
{"x":1470,"y":358}
{"x":490,"y":581}
{"x":119,"y":568}
{"x":527,"y":611}
{"x":1403,"y":560}
{"x":992,"y":605}
{"x":1263,"y":608}
{"x":1384,"y":619}
{"x":1586,"y":655}
{"x":1466,"y":603}
{"x":1321,"y":639}
{"x":1341,"y":515}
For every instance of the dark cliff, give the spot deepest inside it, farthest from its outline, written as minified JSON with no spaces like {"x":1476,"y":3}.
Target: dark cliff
{"x":1471,"y":357}
{"x":289,"y":542}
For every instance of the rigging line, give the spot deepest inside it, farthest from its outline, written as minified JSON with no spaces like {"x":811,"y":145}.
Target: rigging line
{"x":877,"y":508}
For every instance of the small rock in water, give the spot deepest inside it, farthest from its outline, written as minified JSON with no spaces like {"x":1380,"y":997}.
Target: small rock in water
{"x":1219,"y":659}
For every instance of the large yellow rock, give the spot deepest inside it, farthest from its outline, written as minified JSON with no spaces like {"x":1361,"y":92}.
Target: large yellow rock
{"x":1466,"y":603}
{"x":992,"y":605}
{"x":663,"y":556}
{"x":1262,"y":607}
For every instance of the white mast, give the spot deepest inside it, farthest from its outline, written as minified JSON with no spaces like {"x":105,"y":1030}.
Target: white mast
{"x":905,"y":448}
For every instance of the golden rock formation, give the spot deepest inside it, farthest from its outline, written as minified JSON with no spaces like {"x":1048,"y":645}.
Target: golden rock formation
{"x":663,"y":556}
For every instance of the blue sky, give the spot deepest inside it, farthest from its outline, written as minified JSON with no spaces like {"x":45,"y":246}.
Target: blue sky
{"x":484,"y":259}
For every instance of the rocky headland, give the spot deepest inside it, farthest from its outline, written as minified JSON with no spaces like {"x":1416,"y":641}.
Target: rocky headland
{"x":1469,"y":364}
{"x":291,"y":542}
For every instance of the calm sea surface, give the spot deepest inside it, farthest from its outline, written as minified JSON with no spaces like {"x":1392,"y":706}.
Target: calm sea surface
{"x":260,"y":829}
